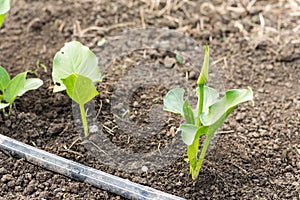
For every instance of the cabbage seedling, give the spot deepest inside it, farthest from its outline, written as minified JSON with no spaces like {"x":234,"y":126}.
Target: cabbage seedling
{"x":75,"y":69}
{"x":80,"y":89}
{"x":4,"y":8}
{"x":11,"y":88}
{"x":211,"y":112}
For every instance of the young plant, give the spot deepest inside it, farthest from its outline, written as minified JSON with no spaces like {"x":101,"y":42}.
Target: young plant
{"x":75,"y":69}
{"x":211,"y":112}
{"x":4,"y":8}
{"x":11,"y":88}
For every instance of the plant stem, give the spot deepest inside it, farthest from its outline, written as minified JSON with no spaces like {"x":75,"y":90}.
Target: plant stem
{"x":196,"y":172}
{"x":84,"y":122}
{"x":10,"y":108}
{"x":200,"y":104}
{"x":195,"y":145}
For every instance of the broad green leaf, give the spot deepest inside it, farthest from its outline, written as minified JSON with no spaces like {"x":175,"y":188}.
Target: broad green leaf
{"x":4,"y":79}
{"x":211,"y":96}
{"x":31,"y":84}
{"x":74,"y":58}
{"x":80,"y":88}
{"x":3,"y":105}
{"x":188,"y":113}
{"x":14,"y":87}
{"x":188,"y":132}
{"x":173,"y":101}
{"x":204,"y":71}
{"x":4,"y":6}
{"x":231,"y":99}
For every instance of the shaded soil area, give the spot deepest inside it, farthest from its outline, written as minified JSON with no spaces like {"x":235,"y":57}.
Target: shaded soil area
{"x":252,"y":43}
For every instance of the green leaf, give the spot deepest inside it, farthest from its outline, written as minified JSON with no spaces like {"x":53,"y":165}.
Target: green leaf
{"x":2,"y":17}
{"x":4,"y":79}
{"x":3,"y":105}
{"x":173,"y":101}
{"x":74,"y":58}
{"x":211,"y":96}
{"x":188,"y":132}
{"x":31,"y":84}
{"x":4,"y":6}
{"x":188,"y":113}
{"x":80,"y":88}
{"x":179,"y":58}
{"x":225,"y":105}
{"x":204,"y":71}
{"x":14,"y":87}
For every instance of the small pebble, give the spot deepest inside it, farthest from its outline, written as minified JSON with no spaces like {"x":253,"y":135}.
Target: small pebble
{"x":3,"y":171}
{"x":135,"y":104}
{"x":169,"y":62}
{"x":7,"y":123}
{"x":144,"y":168}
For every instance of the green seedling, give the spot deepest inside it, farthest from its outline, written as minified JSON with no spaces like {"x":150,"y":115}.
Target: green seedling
{"x":211,"y":112}
{"x":10,"y":89}
{"x":4,"y":8}
{"x":179,"y":59}
{"x":75,"y":69}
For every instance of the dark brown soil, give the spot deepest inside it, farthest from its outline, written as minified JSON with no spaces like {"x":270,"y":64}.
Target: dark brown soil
{"x":252,"y":45}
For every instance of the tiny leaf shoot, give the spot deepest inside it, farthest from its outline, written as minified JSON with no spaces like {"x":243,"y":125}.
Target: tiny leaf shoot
{"x":209,"y":115}
{"x":4,"y":8}
{"x":179,"y":59}
{"x":81,"y":90}
{"x":75,"y":69}
{"x":12,"y":88}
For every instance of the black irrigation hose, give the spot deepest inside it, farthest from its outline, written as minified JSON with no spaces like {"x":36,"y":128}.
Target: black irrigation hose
{"x":102,"y":180}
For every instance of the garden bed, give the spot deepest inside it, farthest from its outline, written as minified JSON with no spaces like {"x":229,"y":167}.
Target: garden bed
{"x":254,"y":157}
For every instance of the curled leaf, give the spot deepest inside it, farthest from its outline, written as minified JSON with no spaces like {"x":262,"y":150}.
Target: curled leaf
{"x":173,"y":101}
{"x":224,"y":106}
{"x":31,"y":84}
{"x":204,"y":71}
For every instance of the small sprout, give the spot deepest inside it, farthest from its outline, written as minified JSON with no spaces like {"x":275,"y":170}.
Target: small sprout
{"x":81,"y":90}
{"x":156,"y":100}
{"x":75,"y":69}
{"x":211,"y":112}
{"x":44,"y":67}
{"x":179,"y":59}
{"x":10,"y":89}
{"x":4,"y":8}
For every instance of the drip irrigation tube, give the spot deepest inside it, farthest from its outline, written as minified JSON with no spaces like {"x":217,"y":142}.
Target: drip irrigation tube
{"x":97,"y":178}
